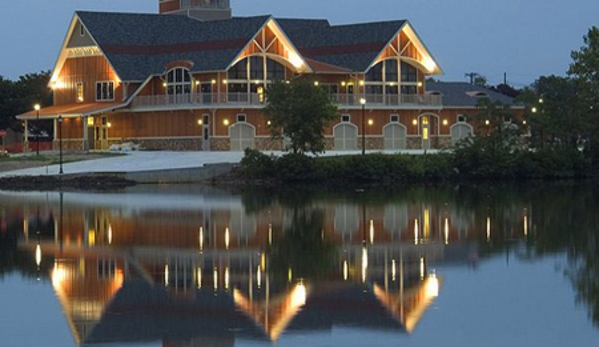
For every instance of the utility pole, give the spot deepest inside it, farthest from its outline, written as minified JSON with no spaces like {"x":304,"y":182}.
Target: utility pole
{"x":505,"y":78}
{"x":472,"y":76}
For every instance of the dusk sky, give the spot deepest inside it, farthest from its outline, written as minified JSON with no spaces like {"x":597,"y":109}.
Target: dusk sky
{"x":525,"y":38}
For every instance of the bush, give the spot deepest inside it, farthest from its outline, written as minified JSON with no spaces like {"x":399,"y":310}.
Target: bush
{"x":294,"y":167}
{"x":256,"y":165}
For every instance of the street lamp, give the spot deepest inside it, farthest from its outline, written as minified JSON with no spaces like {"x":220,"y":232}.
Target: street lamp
{"x":363,"y":103}
{"x":60,"y":142}
{"x":37,"y":138}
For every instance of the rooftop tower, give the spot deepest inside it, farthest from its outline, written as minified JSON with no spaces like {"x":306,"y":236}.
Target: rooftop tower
{"x":204,"y":10}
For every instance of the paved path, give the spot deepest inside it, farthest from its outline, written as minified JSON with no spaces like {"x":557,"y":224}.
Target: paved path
{"x":152,"y":161}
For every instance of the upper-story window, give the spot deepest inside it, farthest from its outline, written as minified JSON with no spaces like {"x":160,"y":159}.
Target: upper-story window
{"x":408,"y":73}
{"x":274,"y":70}
{"x":391,"y":70}
{"x":375,"y":74}
{"x":105,"y":91}
{"x":256,"y":68}
{"x":178,"y":81}
{"x":239,"y":71}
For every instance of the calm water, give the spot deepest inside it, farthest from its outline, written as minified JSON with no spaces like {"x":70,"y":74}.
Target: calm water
{"x":189,"y":266}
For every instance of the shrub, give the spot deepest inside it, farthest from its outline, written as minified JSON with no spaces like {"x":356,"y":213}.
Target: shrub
{"x":256,"y":165}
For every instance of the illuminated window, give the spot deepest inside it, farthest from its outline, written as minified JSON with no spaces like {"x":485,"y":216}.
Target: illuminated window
{"x":178,"y":81}
{"x":79,"y":88}
{"x":105,"y":91}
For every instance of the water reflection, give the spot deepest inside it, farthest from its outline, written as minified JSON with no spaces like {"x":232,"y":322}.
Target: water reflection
{"x":178,"y":266}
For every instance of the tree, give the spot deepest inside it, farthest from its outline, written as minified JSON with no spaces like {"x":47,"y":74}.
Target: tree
{"x":19,"y":96}
{"x":299,"y":111}
{"x":585,"y":71}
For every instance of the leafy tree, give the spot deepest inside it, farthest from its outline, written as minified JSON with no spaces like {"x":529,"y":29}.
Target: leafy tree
{"x":299,"y":111}
{"x":19,"y":96}
{"x":506,"y":89}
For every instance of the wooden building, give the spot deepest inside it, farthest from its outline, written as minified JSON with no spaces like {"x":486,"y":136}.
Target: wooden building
{"x":194,"y":78}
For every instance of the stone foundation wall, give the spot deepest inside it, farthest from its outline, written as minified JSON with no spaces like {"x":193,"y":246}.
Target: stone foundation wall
{"x":372,"y":143}
{"x":220,"y":144}
{"x":443,"y":142}
{"x":266,"y":144}
{"x":68,"y":145}
{"x":414,"y":142}
{"x":329,"y":143}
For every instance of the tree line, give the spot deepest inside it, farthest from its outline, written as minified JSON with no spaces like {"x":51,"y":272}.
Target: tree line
{"x":20,"y":96}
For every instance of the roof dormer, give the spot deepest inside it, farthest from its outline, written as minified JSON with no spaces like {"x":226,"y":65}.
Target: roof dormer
{"x":204,"y":10}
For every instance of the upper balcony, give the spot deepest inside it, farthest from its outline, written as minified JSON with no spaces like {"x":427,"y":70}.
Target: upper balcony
{"x":227,"y":100}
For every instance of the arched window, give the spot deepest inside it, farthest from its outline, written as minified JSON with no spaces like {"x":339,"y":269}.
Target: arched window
{"x":375,"y":74}
{"x":178,"y":81}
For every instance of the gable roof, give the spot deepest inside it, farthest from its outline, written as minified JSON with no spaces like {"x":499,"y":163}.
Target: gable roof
{"x":352,"y":47}
{"x":462,"y":94}
{"x":140,"y":45}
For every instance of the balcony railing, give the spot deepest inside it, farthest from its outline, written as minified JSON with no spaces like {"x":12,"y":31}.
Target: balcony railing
{"x":255,"y":99}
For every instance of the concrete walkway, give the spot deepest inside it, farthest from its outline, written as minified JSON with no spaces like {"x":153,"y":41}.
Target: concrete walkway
{"x":157,"y":161}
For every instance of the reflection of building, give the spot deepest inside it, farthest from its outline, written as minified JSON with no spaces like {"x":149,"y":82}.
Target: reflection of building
{"x":128,"y":270}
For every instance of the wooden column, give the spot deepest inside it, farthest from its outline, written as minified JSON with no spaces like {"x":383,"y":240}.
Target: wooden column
{"x":26,"y":136}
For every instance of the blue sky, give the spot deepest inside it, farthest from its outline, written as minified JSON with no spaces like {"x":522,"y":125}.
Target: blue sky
{"x":525,"y":38}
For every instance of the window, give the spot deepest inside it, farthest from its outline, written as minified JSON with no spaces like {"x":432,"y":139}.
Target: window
{"x":345,"y":118}
{"x":81,"y":30}
{"x":331,"y":88}
{"x":375,"y":73}
{"x":274,"y":70}
{"x":374,"y":89}
{"x":241,"y":118}
{"x":461,"y":118}
{"x":391,"y":71}
{"x":178,"y":81}
{"x":256,"y":68}
{"x":394,"y":118}
{"x":238,"y":87}
{"x":409,"y":90}
{"x":408,"y":73}
{"x":79,"y":91}
{"x":239,"y":71}
{"x":105,"y":91}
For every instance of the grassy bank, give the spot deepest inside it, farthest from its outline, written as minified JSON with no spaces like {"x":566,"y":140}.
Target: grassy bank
{"x":466,"y":164}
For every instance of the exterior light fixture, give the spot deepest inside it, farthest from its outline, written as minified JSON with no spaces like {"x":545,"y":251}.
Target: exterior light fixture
{"x":534,"y":110}
{"x":445,"y":122}
{"x":213,"y":81}
{"x":225,"y":81}
{"x":524,"y":122}
{"x":316,"y":83}
{"x":361,"y":82}
{"x":370,"y":122}
{"x":37,"y":108}
{"x":541,"y":101}
{"x":226,"y":122}
{"x":415,"y":122}
{"x":109,"y":125}
{"x":363,"y":103}
{"x":487,"y":122}
{"x":200,"y":122}
{"x":419,"y":84}
{"x":343,"y":84}
{"x":197,"y":83}
{"x":164,"y":84}
{"x":268,"y":123}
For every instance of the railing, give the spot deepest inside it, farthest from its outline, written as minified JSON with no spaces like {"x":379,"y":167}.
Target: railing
{"x":257,"y":99}
{"x":224,"y":4}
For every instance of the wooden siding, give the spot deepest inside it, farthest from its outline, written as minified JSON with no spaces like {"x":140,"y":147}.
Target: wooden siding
{"x":86,"y":70}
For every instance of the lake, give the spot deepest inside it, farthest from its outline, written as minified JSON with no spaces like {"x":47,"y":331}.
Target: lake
{"x":189,"y":266}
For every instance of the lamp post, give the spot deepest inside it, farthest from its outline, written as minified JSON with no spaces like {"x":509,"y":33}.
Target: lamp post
{"x":60,"y":142}
{"x":37,"y":138}
{"x":363,"y":103}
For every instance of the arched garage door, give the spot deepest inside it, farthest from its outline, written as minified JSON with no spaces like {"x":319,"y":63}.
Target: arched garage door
{"x":346,"y":137}
{"x":242,"y":136}
{"x":460,"y":131}
{"x":395,"y":136}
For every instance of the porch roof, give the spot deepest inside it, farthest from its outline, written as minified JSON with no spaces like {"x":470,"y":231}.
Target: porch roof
{"x":71,"y":110}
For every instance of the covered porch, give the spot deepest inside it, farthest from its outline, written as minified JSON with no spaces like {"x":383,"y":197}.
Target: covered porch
{"x":76,"y":126}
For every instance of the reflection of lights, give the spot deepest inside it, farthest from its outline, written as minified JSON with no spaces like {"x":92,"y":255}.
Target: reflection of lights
{"x":488,"y":229}
{"x":371,"y":231}
{"x":393,"y":270}
{"x":215,"y":278}
{"x":427,"y":223}
{"x":166,"y":275}
{"x":227,"y":238}
{"x":201,"y":238}
{"x":345,"y":270}
{"x":364,"y":263}
{"x":299,"y":295}
{"x":199,"y":278}
{"x":416,"y":231}
{"x":432,"y":286}
{"x":227,"y":278}
{"x":38,"y":255}
{"x":289,"y":275}
{"x":59,"y":274}
{"x":525,"y":225}
{"x":109,"y":234}
{"x":259,"y":277}
{"x":422,"y":268}
{"x":446,"y":231}
{"x":270,"y":234}
{"x":263,"y":262}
